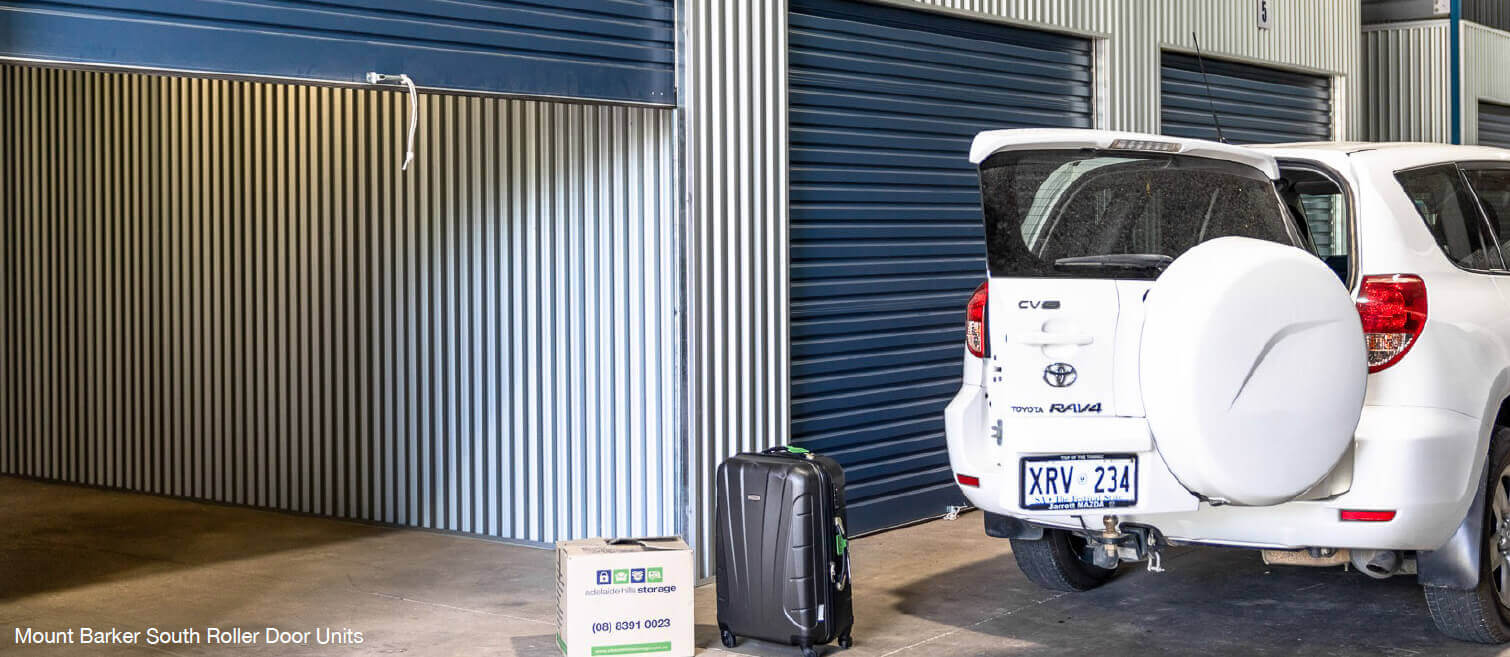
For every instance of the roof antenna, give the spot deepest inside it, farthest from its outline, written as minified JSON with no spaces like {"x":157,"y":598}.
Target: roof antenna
{"x":1209,"y":102}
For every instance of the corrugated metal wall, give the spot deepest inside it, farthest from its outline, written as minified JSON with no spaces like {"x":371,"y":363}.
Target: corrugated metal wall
{"x":226,"y":290}
{"x":604,"y":49}
{"x":1485,"y":52}
{"x":1407,"y":72}
{"x":734,"y":95}
{"x":1083,"y":16}
{"x":1407,"y":84}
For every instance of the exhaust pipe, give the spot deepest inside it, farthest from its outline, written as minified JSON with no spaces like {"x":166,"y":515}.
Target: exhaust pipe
{"x":1378,"y":564}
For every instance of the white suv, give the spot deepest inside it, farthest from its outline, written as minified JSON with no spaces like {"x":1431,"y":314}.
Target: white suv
{"x":1187,"y":342}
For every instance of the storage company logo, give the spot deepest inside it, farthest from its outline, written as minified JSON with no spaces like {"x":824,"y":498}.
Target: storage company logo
{"x":644,"y":580}
{"x":631,"y":576}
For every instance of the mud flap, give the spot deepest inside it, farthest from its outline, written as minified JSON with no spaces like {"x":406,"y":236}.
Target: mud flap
{"x":999,"y":526}
{"x":1455,"y":565}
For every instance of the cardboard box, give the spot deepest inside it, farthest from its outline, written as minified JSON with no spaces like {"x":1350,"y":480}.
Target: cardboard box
{"x":624,"y":597}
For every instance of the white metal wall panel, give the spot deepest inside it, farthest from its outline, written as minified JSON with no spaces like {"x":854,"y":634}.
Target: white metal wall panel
{"x":1407,"y":73}
{"x":1485,"y":53}
{"x":1082,"y":16}
{"x":734,"y":94}
{"x":1406,"y":82}
{"x":226,"y":290}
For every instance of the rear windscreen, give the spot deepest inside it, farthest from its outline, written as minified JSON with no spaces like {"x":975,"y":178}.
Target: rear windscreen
{"x":1118,"y":214}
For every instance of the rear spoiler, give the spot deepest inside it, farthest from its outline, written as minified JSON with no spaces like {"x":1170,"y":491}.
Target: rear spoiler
{"x":995,"y":141}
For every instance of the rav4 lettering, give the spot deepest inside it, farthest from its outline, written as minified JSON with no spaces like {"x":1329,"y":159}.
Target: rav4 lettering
{"x":1075,"y":408}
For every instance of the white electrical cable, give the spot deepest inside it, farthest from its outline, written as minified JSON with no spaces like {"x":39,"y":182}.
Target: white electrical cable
{"x":380,"y":78}
{"x":413,"y":120}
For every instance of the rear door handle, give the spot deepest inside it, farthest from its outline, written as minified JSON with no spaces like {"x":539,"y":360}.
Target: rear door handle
{"x":1047,"y":339}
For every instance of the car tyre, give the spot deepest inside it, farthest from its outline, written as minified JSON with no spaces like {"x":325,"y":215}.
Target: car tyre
{"x":1060,"y":561}
{"x":1480,"y":614}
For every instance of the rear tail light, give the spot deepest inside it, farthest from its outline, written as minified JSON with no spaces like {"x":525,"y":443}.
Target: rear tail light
{"x":975,"y":322}
{"x":967,"y":480}
{"x":1393,"y":311}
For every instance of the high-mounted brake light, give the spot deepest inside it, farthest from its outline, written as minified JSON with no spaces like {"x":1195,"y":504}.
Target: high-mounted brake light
{"x":975,"y":322}
{"x":1393,"y":311}
{"x":1355,"y":515}
{"x":967,"y":480}
{"x":1145,"y":145}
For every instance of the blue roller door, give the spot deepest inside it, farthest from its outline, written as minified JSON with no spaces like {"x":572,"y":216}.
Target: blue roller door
{"x":600,"y":49}
{"x":886,"y":237}
{"x":1256,"y":104}
{"x":1494,"y":125}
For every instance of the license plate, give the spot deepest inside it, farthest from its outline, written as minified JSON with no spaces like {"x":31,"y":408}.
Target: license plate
{"x":1079,"y":481}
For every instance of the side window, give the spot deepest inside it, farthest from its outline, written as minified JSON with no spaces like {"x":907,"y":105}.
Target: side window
{"x":1492,"y":186}
{"x":1321,"y":201}
{"x":1449,"y":210}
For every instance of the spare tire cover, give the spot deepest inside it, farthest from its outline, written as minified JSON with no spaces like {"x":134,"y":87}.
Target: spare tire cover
{"x":1252,"y":369}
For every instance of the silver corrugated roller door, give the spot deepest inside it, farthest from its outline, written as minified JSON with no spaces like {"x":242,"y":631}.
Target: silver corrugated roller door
{"x":227,"y":290}
{"x":886,"y":236}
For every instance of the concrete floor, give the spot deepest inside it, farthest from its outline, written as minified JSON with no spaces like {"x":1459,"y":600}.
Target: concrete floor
{"x":72,"y":556}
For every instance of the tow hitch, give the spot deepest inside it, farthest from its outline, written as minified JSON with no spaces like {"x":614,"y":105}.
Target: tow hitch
{"x":1118,"y":542}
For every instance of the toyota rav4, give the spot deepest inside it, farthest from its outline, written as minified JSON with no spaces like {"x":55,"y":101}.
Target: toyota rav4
{"x":1301,"y":349}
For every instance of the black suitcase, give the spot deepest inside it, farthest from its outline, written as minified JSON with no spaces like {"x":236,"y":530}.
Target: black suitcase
{"x":782,"y":552}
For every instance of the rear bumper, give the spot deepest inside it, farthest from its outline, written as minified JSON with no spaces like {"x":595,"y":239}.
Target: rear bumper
{"x":1418,"y":462}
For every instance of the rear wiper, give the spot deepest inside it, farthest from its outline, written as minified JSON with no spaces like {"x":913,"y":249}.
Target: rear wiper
{"x":1153,"y":261}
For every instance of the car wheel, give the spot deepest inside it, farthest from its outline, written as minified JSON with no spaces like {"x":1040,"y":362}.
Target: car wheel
{"x":1480,"y":614}
{"x":1060,"y":561}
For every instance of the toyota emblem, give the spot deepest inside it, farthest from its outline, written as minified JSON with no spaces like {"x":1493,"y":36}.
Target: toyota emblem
{"x":1060,"y":375}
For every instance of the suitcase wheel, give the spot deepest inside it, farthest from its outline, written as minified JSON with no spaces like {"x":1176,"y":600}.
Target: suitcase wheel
{"x":845,"y":641}
{"x":727,"y":637}
{"x":809,"y":650}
